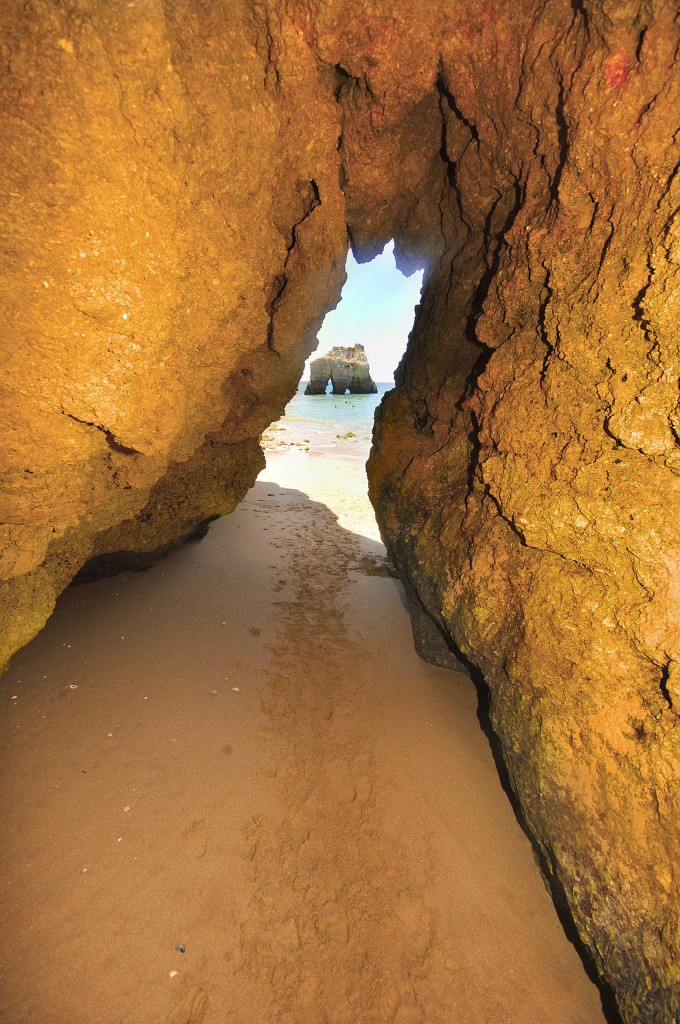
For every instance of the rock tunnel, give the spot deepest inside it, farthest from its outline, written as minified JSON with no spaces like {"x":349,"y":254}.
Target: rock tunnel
{"x":182,"y":181}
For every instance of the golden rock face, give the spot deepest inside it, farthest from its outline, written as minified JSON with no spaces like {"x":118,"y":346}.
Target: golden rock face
{"x":178,"y":186}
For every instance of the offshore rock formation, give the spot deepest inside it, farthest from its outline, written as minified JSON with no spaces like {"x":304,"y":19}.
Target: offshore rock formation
{"x":171,"y":249}
{"x":346,"y":368}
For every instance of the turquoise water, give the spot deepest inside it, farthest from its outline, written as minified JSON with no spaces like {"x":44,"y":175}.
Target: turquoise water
{"x":337,"y":424}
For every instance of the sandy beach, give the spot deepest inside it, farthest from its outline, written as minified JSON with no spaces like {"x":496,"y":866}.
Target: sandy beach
{"x":233,"y":794}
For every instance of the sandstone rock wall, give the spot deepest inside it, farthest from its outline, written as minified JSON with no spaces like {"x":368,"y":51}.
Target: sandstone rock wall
{"x":179,"y":181}
{"x":526,"y":469}
{"x":170,"y":253}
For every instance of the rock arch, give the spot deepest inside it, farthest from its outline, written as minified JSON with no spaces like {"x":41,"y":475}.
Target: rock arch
{"x":347,"y":370}
{"x":179,"y":185}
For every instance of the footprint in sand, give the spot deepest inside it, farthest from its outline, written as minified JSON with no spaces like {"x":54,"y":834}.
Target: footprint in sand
{"x":340,"y":781}
{"x":197,"y":836}
{"x":191,"y":1009}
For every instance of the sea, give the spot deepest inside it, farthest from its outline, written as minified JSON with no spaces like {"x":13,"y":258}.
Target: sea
{"x":340,"y":425}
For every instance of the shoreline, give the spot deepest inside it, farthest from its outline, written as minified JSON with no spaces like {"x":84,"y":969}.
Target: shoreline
{"x":338,"y":481}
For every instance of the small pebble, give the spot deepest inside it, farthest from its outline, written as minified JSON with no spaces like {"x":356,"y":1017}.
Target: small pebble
{"x":109,"y":735}
{"x":173,"y":974}
{"x":213,"y":691}
{"x":180,"y":947}
{"x":235,"y":689}
{"x":73,"y":686}
{"x":126,"y":808}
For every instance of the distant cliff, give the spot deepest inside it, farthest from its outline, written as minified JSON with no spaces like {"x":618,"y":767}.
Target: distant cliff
{"x":346,"y":368}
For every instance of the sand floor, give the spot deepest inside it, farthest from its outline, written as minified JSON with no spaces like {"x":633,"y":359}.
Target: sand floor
{"x":232,"y":794}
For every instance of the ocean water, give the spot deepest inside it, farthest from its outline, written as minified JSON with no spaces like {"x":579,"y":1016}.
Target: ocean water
{"x":340,"y":425}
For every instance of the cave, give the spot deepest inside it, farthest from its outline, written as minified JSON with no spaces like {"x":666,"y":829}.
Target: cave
{"x":181,"y":184}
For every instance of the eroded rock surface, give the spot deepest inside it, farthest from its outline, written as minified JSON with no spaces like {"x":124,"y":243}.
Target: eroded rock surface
{"x":160,"y":218}
{"x":526,"y":467}
{"x":178,"y":185}
{"x":346,"y":368}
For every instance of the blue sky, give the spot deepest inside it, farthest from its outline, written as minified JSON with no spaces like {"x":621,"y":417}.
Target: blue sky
{"x":376,"y":309}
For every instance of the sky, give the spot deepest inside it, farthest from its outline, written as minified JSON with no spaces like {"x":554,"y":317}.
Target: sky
{"x":376,"y":309}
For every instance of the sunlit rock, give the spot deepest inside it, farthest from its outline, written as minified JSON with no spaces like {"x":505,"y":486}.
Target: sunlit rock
{"x":347,"y":369}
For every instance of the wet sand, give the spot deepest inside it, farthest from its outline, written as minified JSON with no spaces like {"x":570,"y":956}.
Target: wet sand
{"x":239,"y":753}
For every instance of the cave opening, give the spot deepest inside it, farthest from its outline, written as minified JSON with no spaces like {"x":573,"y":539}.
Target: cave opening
{"x":359,"y":346}
{"x":241,"y":722}
{"x":322,"y":442}
{"x":376,"y":309}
